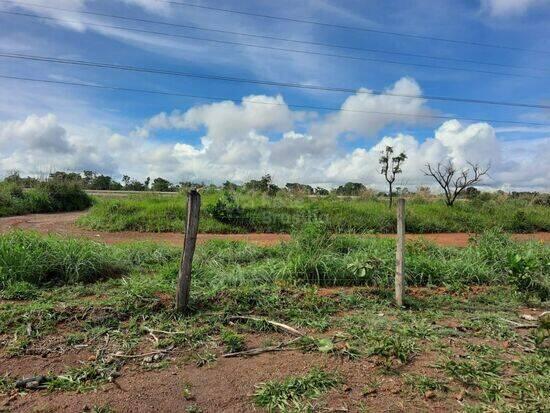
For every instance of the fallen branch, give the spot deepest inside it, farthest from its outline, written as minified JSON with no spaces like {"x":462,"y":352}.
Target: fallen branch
{"x":282,"y":326}
{"x":260,"y":350}
{"x":519,"y":325}
{"x":255,"y":351}
{"x":132,"y":356}
{"x":152,"y":330}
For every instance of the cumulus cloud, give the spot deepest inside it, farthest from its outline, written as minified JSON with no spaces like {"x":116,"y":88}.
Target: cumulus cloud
{"x":240,"y":141}
{"x":36,"y":134}
{"x":365,"y":114}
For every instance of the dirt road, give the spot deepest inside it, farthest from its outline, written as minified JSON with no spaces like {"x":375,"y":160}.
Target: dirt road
{"x":64,"y":224}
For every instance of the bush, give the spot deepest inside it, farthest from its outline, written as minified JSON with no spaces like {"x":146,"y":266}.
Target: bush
{"x":49,"y":196}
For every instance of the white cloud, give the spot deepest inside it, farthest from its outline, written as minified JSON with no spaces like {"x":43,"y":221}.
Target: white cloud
{"x":245,"y":140}
{"x":365,"y":114}
{"x":506,"y":8}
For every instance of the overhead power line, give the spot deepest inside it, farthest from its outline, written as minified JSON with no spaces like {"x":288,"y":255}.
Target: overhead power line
{"x":356,"y":28}
{"x":284,"y":49}
{"x":253,"y":101}
{"x":258,"y":81}
{"x":257,"y":36}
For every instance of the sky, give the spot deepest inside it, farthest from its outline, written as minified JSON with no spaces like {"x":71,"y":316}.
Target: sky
{"x":249,"y":129}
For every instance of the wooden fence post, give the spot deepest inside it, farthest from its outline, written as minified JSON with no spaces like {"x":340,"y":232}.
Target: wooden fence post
{"x":400,"y":252}
{"x":190,"y":239}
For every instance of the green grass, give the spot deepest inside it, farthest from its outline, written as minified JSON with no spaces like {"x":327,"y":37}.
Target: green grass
{"x":244,"y":212}
{"x":49,"y":196}
{"x":28,"y":260}
{"x":117,"y":314}
{"x":295,"y":392}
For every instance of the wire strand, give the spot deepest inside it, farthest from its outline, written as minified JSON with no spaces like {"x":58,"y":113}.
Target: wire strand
{"x":357,"y":28}
{"x":217,"y":98}
{"x":259,"y":36}
{"x":259,"y":81}
{"x":284,"y":49}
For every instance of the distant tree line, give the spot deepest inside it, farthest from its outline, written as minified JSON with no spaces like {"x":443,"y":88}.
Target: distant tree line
{"x":455,"y":183}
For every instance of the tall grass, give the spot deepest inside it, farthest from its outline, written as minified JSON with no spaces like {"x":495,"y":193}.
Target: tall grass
{"x":312,"y":257}
{"x":283,"y":213}
{"x":46,"y":260}
{"x":48,"y":196}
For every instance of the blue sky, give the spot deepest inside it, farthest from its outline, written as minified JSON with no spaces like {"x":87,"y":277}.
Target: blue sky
{"x":112,"y":132}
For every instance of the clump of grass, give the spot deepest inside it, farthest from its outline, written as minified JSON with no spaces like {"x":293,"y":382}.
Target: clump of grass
{"x":423,"y":384}
{"x":29,"y":260}
{"x":232,"y":340}
{"x":41,"y":260}
{"x":295,"y":391}
{"x":395,"y":347}
{"x":84,"y":378}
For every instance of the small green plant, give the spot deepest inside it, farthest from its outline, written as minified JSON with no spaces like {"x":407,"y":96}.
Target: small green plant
{"x":422,"y":383}
{"x":186,"y":391}
{"x":204,"y":358}
{"x":232,"y":340}
{"x":371,"y":387}
{"x":286,"y":395}
{"x":193,"y":409}
{"x":395,"y":347}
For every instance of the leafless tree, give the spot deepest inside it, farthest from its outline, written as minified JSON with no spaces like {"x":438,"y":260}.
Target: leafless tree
{"x":391,"y":166}
{"x":454,"y":181}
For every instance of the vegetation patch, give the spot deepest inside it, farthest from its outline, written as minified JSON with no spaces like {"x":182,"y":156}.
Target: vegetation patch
{"x":48,"y":196}
{"x":294,"y":393}
{"x":238,"y":212}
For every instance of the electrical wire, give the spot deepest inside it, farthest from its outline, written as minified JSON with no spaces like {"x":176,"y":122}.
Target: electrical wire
{"x":252,"y":101}
{"x":284,"y":49}
{"x":357,"y":28}
{"x":259,"y":81}
{"x":258,"y":36}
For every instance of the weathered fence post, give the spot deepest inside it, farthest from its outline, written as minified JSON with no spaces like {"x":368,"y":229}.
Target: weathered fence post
{"x":191,"y":229}
{"x":400,"y":252}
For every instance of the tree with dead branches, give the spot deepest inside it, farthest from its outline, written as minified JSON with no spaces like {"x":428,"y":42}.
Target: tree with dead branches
{"x":454,"y":181}
{"x":391,"y":166}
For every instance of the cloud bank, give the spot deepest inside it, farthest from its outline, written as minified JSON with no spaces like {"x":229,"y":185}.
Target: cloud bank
{"x":261,"y":134}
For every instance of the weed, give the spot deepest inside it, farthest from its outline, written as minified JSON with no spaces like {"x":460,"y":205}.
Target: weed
{"x":233,"y":341}
{"x":186,"y":391}
{"x":395,"y":347}
{"x":84,"y":378}
{"x":193,"y":409}
{"x":294,"y":391}
{"x":422,"y":383}
{"x":204,"y":358}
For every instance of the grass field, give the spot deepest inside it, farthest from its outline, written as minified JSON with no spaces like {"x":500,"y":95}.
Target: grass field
{"x":455,"y":347}
{"x":258,"y":213}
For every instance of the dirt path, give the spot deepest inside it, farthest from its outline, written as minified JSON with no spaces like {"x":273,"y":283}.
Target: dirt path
{"x":64,"y":224}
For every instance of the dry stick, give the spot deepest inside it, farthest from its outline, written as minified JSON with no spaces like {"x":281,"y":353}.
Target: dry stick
{"x":520,"y":325}
{"x":282,"y":326}
{"x":400,"y":252}
{"x":192,"y":227}
{"x":133,"y":356}
{"x":260,"y":350}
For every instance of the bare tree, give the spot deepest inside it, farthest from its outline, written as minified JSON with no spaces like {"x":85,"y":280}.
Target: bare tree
{"x":454,"y":181}
{"x":391,"y":166}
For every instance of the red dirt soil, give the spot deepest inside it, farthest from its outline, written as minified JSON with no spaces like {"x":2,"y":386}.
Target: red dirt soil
{"x":64,"y":224}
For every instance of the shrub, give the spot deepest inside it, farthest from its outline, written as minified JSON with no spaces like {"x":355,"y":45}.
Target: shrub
{"x":49,"y":196}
